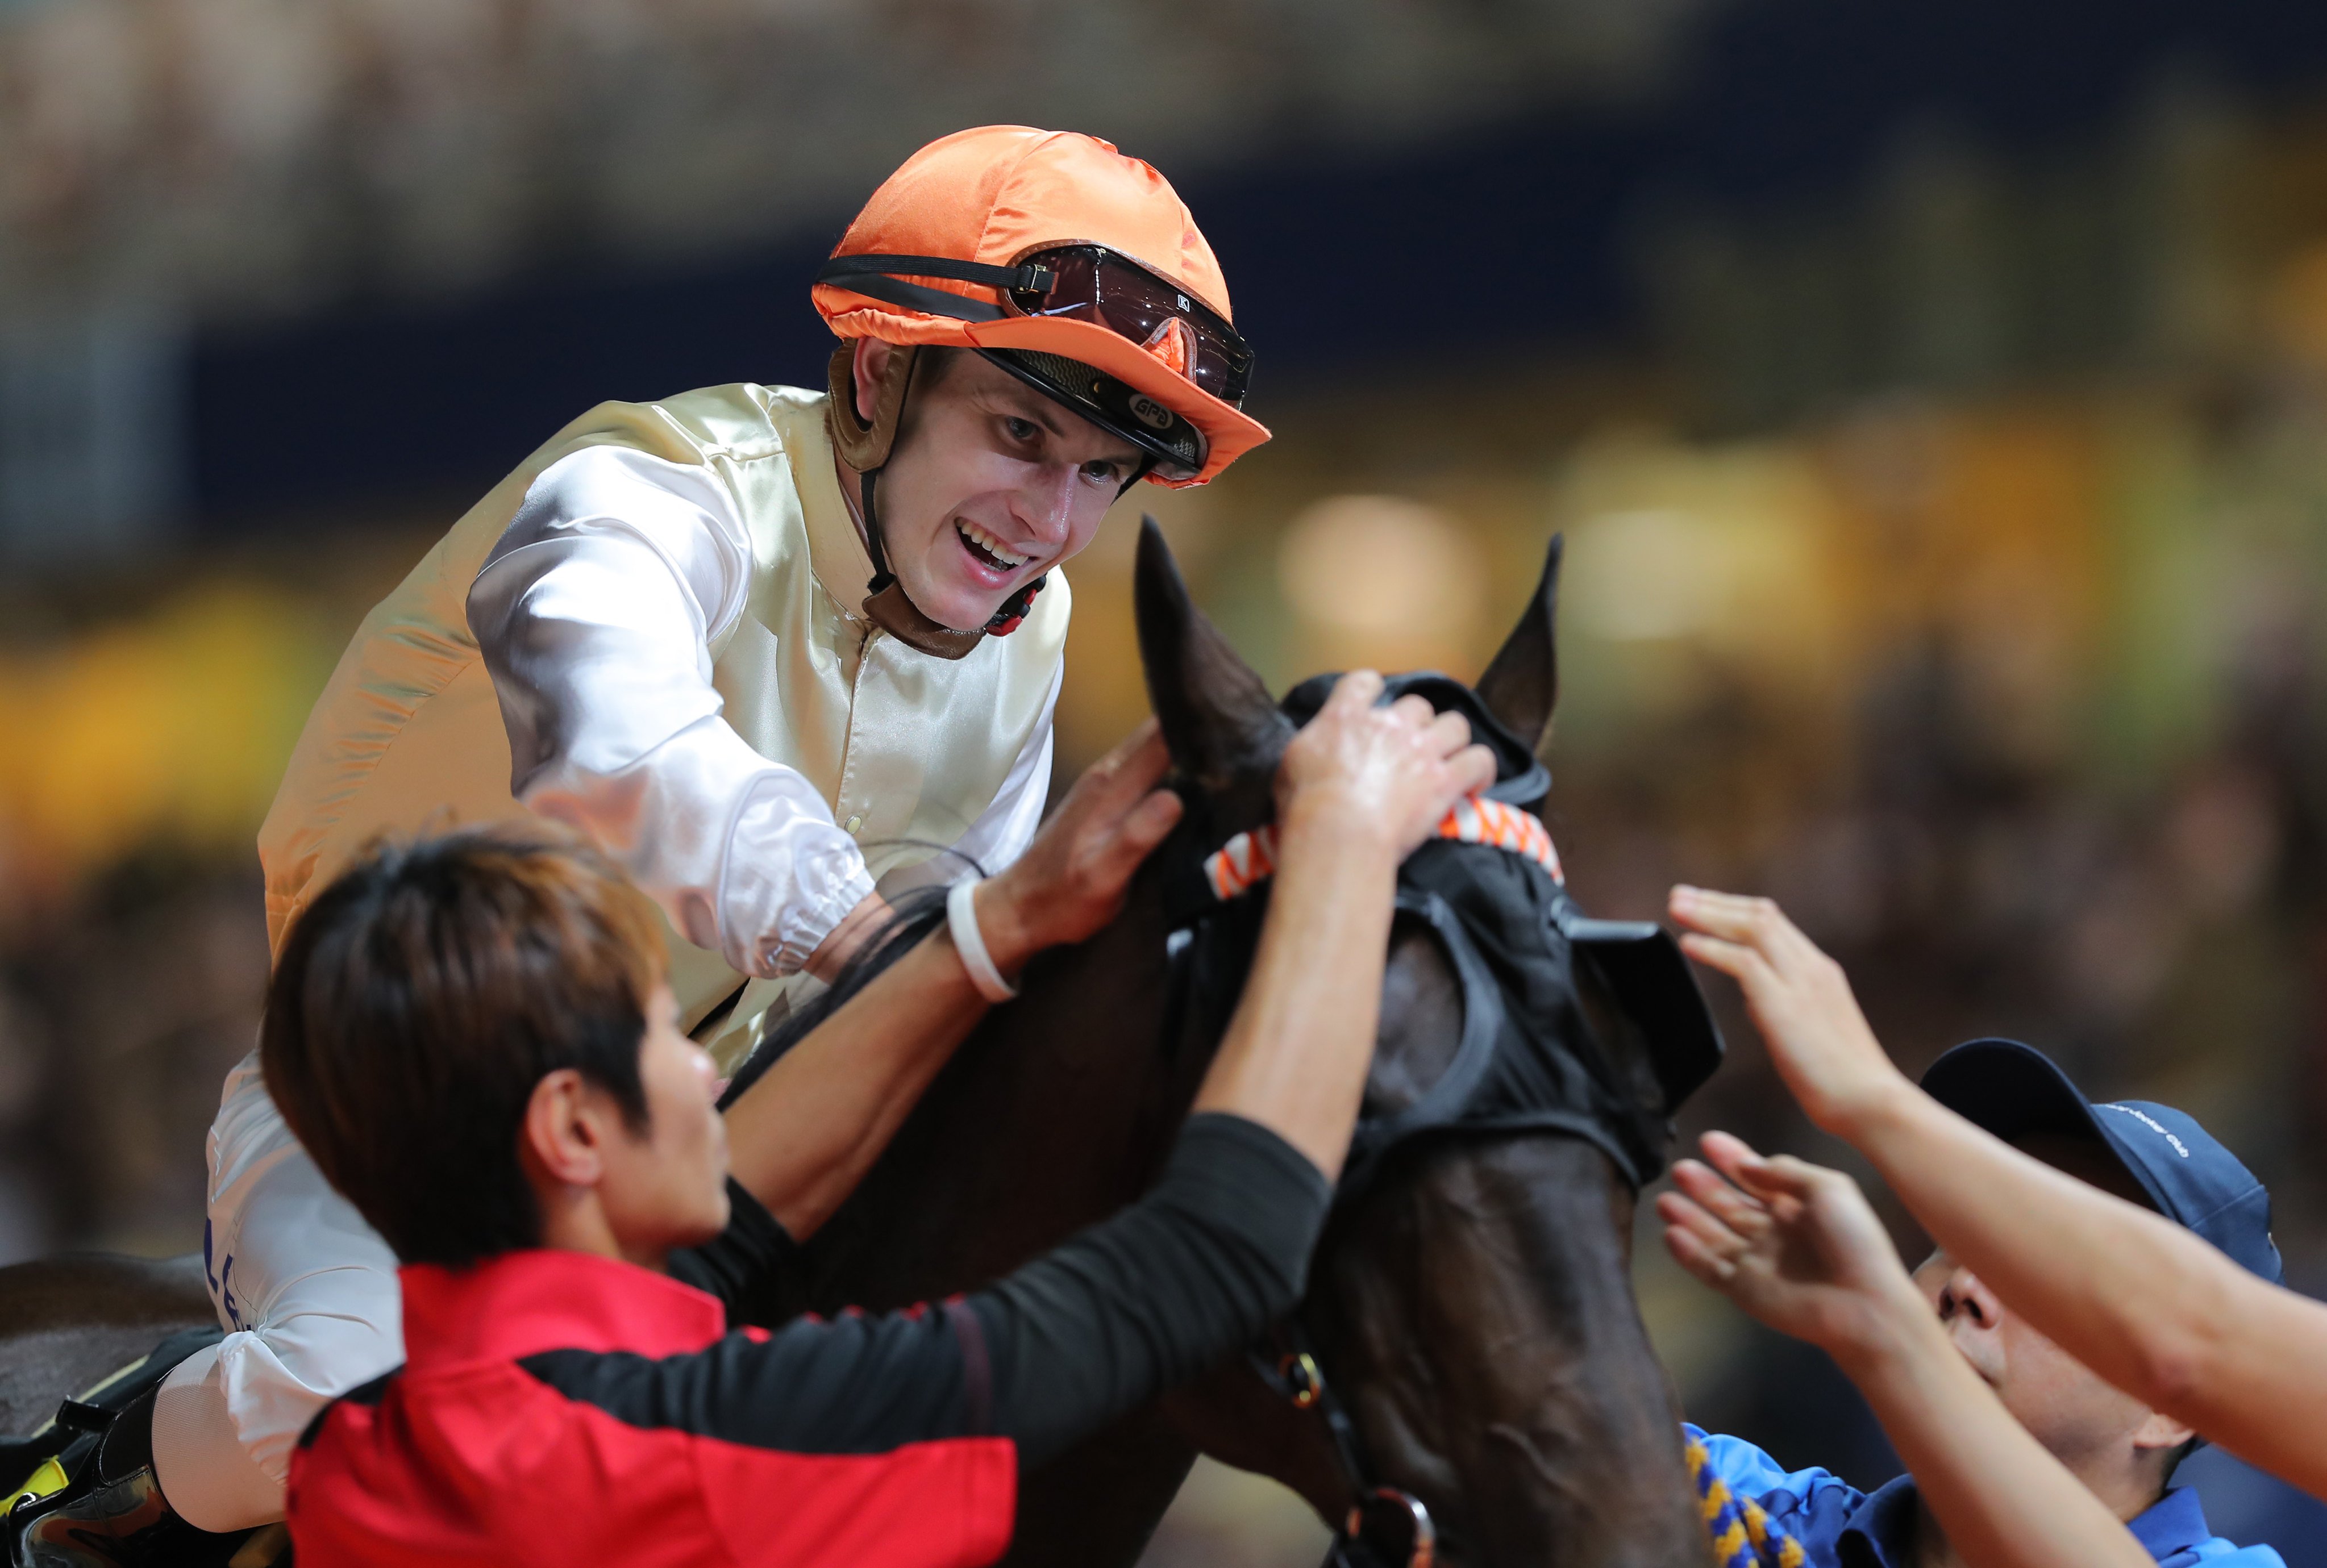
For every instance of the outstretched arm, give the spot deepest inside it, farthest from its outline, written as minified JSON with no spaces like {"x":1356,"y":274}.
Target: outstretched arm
{"x":596,"y":614}
{"x":2142,"y":1301}
{"x":802,"y":1137}
{"x":1797,"y":1246}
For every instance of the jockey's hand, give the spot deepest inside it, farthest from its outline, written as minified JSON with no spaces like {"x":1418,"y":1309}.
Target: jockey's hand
{"x":1794,"y":1244}
{"x":1801,"y":1001}
{"x":1359,"y":772}
{"x":1072,"y":878}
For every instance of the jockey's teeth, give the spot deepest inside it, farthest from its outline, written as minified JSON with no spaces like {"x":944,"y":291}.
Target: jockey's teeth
{"x":988,"y":545}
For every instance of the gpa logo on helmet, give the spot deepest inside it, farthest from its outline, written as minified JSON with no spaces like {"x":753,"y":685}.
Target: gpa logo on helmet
{"x":1150,"y":413}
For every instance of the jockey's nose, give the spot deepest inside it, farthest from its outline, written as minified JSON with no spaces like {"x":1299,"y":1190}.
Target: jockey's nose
{"x":1049,"y":504}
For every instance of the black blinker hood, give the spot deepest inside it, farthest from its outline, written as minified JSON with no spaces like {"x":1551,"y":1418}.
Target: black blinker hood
{"x":1650,"y":1041}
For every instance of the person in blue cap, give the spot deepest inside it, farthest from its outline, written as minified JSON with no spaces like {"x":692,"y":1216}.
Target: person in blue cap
{"x":1799,"y":1249}
{"x":2175,"y":1314}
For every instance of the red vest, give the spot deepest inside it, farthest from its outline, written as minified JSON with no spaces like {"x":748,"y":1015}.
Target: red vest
{"x":559,"y":1407}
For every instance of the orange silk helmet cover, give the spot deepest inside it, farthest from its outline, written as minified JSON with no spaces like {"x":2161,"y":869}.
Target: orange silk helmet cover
{"x":996,"y":193}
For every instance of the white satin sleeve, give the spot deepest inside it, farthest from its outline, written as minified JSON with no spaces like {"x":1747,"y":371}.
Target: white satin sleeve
{"x":595,"y":613}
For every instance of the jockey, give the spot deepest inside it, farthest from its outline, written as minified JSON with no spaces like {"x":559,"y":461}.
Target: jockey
{"x":766,"y":646}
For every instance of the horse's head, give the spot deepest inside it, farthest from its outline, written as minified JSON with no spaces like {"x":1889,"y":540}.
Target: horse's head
{"x":1470,"y":1306}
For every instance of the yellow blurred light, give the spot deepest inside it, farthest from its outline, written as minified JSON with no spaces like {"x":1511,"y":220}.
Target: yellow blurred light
{"x":169,"y":729}
{"x":2298,"y":305}
{"x":1641,"y":576}
{"x":1379,"y":566}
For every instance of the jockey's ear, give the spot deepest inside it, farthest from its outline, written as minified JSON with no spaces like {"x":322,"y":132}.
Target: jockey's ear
{"x":1223,"y":729}
{"x":1521,"y":686}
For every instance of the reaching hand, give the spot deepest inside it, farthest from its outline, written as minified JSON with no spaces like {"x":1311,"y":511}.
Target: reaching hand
{"x":1793,"y":1244}
{"x":1391,"y":773}
{"x":1072,"y":878}
{"x":1800,"y":1000}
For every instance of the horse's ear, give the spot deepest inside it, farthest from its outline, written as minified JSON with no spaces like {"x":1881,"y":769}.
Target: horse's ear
{"x":1219,"y":721}
{"x":1521,"y":686}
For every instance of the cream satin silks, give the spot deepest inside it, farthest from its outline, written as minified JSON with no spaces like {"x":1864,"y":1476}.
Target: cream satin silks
{"x":657,"y":581}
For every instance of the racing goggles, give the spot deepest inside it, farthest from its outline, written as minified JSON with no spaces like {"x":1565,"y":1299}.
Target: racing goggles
{"x":1080,"y":282}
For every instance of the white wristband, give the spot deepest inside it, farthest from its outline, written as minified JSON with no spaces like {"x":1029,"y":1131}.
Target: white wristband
{"x":961,"y":919}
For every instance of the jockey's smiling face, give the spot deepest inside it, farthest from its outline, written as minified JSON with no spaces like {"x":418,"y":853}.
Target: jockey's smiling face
{"x":990,"y":484}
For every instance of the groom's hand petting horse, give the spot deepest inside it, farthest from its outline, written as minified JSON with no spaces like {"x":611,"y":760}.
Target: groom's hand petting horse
{"x":1393,"y":772}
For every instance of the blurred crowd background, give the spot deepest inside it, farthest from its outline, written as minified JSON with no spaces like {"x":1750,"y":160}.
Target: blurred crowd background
{"x":1933,"y":397}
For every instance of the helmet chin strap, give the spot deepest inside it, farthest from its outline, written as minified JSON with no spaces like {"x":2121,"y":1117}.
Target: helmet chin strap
{"x":865,"y":449}
{"x":887,"y":606}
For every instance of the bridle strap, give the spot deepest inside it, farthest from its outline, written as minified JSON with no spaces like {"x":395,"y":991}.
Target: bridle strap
{"x":1299,"y":1377}
{"x":1474,"y":1053}
{"x":1296,"y":1372}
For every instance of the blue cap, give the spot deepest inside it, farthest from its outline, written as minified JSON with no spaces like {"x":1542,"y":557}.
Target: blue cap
{"x":2013,"y":1090}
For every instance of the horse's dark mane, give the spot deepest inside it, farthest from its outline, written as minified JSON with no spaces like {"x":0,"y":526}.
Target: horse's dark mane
{"x":913,"y":917}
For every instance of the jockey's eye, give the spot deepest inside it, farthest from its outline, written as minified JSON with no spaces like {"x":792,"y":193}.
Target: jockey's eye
{"x":1099,"y":471}
{"x":1021,"y":431}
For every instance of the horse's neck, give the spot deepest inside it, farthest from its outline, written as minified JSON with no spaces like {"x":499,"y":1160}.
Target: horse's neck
{"x":1054,"y":1114}
{"x":1476,"y":1314}
{"x":1549,"y":1404}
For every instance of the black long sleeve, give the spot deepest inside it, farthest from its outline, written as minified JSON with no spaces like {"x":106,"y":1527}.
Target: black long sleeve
{"x":752,"y":1262}
{"x":1201,"y":1264}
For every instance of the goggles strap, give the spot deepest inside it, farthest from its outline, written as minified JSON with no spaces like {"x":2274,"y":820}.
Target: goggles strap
{"x":1026,"y":276}
{"x":873,"y":276}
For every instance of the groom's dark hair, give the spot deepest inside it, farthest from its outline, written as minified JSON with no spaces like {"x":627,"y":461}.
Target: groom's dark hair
{"x":421,"y":998}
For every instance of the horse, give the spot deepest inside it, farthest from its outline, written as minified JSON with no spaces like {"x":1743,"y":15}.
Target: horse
{"x":1472,"y":1305}
{"x":1469,"y":1344}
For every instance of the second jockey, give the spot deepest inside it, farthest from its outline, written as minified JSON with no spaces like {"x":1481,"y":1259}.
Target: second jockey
{"x":768,"y":647}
